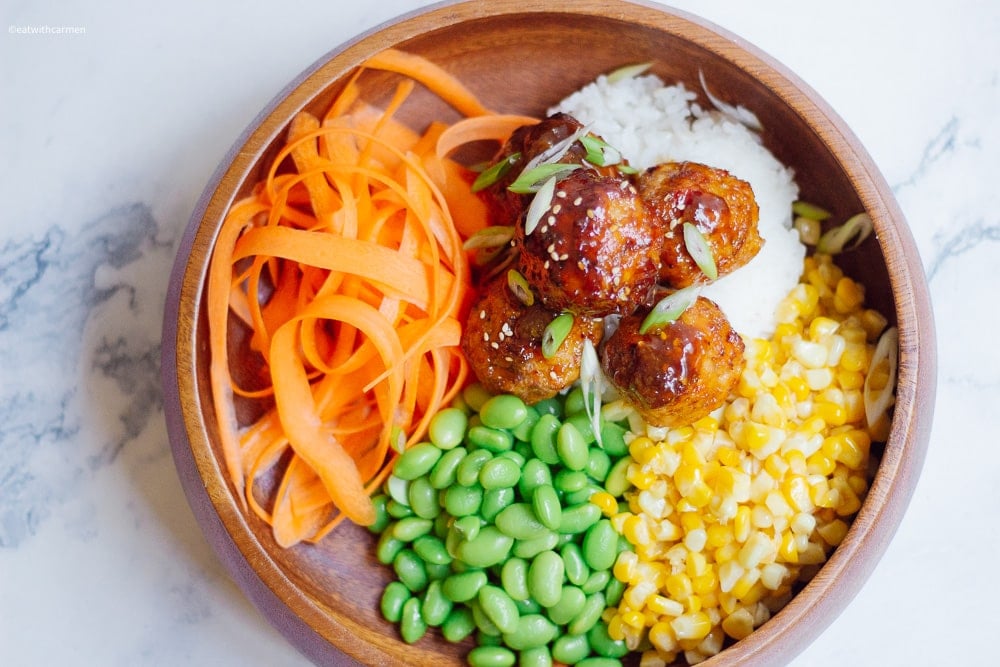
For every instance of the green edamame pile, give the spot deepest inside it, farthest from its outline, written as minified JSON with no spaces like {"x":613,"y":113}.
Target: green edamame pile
{"x":489,"y":528}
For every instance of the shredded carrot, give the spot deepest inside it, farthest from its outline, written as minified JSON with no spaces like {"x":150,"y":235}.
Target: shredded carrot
{"x":343,"y":278}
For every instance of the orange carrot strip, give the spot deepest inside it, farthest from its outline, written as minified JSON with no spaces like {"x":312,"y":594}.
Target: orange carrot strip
{"x":440,"y":82}
{"x":497,"y":127}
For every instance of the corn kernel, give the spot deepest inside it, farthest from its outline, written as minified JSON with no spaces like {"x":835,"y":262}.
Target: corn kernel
{"x":693,"y":625}
{"x":664,"y":606}
{"x":738,"y":624}
{"x":606,"y":502}
{"x":718,"y":535}
{"x":635,"y":619}
{"x":679,"y":586}
{"x":641,"y":449}
{"x":743,"y":585}
{"x":662,"y":636}
{"x":833,"y":533}
{"x":654,"y":658}
{"x":788,"y":550}
{"x":873,"y":322}
{"x":616,"y":629}
{"x":692,"y":521}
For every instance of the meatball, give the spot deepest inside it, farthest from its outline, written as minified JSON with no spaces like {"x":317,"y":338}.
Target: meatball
{"x":502,"y":340}
{"x":595,"y":251}
{"x":721,"y":206}
{"x":528,"y":142}
{"x":677,"y":373}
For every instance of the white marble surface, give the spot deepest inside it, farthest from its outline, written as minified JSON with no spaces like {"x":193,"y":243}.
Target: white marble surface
{"x":110,"y":133}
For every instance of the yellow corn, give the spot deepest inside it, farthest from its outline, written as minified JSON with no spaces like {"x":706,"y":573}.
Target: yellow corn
{"x":728,"y":515}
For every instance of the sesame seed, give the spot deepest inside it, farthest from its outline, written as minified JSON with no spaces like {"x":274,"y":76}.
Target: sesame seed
{"x":556,"y":209}
{"x":564,"y":256}
{"x":577,"y":201}
{"x":495,"y":345}
{"x":509,"y":359}
{"x":552,"y":218}
{"x":561,"y":194}
{"x":486,"y":336}
{"x":552,"y":374}
{"x":501,"y":336}
{"x":551,"y":249}
{"x":482,"y":314}
{"x":590,"y":213}
{"x":544,"y":228}
{"x":546,"y":264}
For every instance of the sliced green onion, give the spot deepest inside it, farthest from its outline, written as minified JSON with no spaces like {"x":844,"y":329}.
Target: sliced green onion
{"x":592,"y":384}
{"x":493,"y":236}
{"x":627,"y":169}
{"x":600,"y":152}
{"x":669,"y":308}
{"x":554,"y":153}
{"x":555,"y":334}
{"x":628,"y":72}
{"x":397,"y":438}
{"x":520,"y":288}
{"x":539,"y":205}
{"x":698,"y":248}
{"x":740,"y":114}
{"x":530,"y":179}
{"x":811,"y":211}
{"x":808,"y":229}
{"x":834,"y":241}
{"x":493,"y":174}
{"x":887,"y":349}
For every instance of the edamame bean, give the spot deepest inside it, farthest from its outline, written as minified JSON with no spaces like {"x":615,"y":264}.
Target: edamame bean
{"x":475,"y":395}
{"x":411,"y":624}
{"x":535,"y":473}
{"x":523,"y":430}
{"x":458,"y":625}
{"x":581,"y":495}
{"x":577,"y":570}
{"x":597,"y":581}
{"x":550,"y":406}
{"x":529,"y":606}
{"x":499,"y":607}
{"x":483,"y":639}
{"x":463,"y":500}
{"x":574,"y":402}
{"x":535,"y":657}
{"x":463,"y":586}
{"x":499,"y":472}
{"x":516,"y":457}
{"x":545,"y":578}
{"x":570,"y":603}
{"x":546,"y":507}
{"x":504,"y":411}
{"x":431,"y":550}
{"x":583,"y":424}
{"x":382,"y":517}
{"x":488,"y":548}
{"x":447,"y":428}
{"x":483,"y":622}
{"x":598,"y":464}
{"x":491,"y":439}
{"x":570,"y":649}
{"x":468,"y":526}
{"x":468,"y":470}
{"x":393,"y":598}
{"x":398,"y":510}
{"x":613,"y":440}
{"x":533,"y":630}
{"x":435,"y":607}
{"x":442,"y":522}
{"x":388,"y":547}
{"x":571,"y":447}
{"x":578,"y":518}
{"x":437,"y":570}
{"x":398,"y":488}
{"x":613,"y":592}
{"x":599,"y":661}
{"x":495,"y":501}
{"x":514,"y":578}
{"x":491,"y":656}
{"x":590,"y":614}
{"x":569,"y":481}
{"x":602,"y":644}
{"x":424,"y":498}
{"x":410,"y":570}
{"x":616,"y":483}
{"x":531,"y":548}
{"x":600,"y":545}
{"x":543,"y":439}
{"x":411,"y":528}
{"x":416,"y":461}
{"x":519,"y":521}
{"x":444,"y":472}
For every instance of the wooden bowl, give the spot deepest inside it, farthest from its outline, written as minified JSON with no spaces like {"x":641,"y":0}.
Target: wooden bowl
{"x":522,"y":56}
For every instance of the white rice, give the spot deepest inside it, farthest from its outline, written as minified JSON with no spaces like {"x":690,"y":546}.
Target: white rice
{"x":651,"y":123}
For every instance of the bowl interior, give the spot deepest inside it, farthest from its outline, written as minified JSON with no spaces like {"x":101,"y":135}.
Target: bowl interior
{"x":517,"y":57}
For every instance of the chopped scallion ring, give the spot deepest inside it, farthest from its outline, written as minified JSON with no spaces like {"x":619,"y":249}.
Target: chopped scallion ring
{"x":592,"y":385}
{"x":811,"y":211}
{"x":886,"y":350}
{"x":739,"y":114}
{"x":554,"y":153}
{"x":520,"y":288}
{"x":397,"y":438}
{"x":698,"y":248}
{"x":600,"y":152}
{"x":628,"y":72}
{"x":539,"y":205}
{"x":669,"y":308}
{"x":555,"y":334}
{"x":493,"y":174}
{"x":835,"y":241}
{"x":530,"y":179}
{"x":493,"y":236}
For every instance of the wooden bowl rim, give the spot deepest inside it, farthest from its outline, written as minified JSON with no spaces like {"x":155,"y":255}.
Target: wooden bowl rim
{"x":306,"y":623}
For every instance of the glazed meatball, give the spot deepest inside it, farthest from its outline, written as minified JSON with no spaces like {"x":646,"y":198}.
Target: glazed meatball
{"x":677,"y":373}
{"x":502,"y":340}
{"x":721,"y":206}
{"x":528,"y":142}
{"x":595,"y":251}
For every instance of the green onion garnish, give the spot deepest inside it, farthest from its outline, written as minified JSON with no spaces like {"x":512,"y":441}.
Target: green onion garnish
{"x":811,"y":211}
{"x":520,"y":288}
{"x":698,"y":248}
{"x":592,"y":384}
{"x":600,"y":152}
{"x":493,"y":236}
{"x":669,"y":308}
{"x":628,"y":72}
{"x":834,"y":241}
{"x":493,"y":174}
{"x":555,"y":334}
{"x":531,"y":179}
{"x":886,"y":351}
{"x":539,"y":205}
